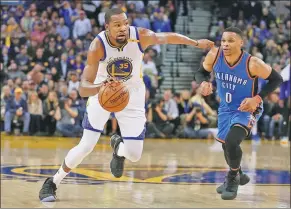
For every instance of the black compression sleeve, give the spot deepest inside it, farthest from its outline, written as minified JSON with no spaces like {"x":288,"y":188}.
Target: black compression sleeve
{"x":201,"y":75}
{"x":275,"y":79}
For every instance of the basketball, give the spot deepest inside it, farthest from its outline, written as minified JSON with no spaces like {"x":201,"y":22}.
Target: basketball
{"x":113,"y":97}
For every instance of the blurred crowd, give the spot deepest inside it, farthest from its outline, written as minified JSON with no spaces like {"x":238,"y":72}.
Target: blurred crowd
{"x":44,"y":46}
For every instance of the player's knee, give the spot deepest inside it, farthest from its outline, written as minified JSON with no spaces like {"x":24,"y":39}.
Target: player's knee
{"x":133,"y":150}
{"x":88,"y":142}
{"x":235,"y":137}
{"x":223,"y":146}
{"x":134,"y":156}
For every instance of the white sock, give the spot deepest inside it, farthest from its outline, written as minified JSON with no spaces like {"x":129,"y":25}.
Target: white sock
{"x":120,"y":151}
{"x":59,"y":176}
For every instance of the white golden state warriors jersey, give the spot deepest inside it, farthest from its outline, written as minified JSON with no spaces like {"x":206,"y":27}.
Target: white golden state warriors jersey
{"x":123,"y":62}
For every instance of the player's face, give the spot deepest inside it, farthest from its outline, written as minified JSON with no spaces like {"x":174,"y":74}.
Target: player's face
{"x":118,"y":28}
{"x":231,"y":43}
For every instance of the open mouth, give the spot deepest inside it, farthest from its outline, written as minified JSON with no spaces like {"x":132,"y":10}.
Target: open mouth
{"x":121,"y":36}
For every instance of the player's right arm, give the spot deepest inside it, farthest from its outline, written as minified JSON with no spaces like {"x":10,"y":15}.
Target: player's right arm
{"x":95,"y":54}
{"x":202,"y":76}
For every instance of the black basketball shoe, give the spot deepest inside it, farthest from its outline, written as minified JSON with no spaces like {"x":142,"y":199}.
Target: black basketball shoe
{"x":244,"y":179}
{"x":231,"y":186}
{"x":117,"y":162}
{"x":48,"y":191}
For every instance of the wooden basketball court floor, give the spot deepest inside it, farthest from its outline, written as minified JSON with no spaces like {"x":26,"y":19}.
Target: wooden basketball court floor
{"x":171,"y":173}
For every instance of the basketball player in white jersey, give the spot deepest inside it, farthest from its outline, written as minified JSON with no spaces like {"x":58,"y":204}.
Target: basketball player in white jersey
{"x":115,"y":54}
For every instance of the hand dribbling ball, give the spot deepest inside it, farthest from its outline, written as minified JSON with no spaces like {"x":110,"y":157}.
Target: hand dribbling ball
{"x":113,"y":96}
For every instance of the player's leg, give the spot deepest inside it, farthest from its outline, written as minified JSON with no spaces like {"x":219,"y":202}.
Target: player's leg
{"x":241,"y":125}
{"x":129,"y":145}
{"x":224,"y":121}
{"x":131,"y":121}
{"x":93,"y":124}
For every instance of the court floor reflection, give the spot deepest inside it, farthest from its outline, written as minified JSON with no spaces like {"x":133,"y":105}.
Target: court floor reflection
{"x":171,"y":173}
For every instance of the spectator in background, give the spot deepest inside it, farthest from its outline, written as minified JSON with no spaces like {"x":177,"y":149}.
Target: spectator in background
{"x":158,"y":122}
{"x":16,"y":109}
{"x":74,"y":82}
{"x":274,"y":116}
{"x":198,"y":101}
{"x":14,"y":72}
{"x":66,"y":11}
{"x":149,"y":69}
{"x":5,"y":97}
{"x":52,"y":51}
{"x":63,"y":30}
{"x":79,"y":49}
{"x":77,"y":102}
{"x":23,"y":60}
{"x":78,"y":65}
{"x":139,"y":5}
{"x":25,"y":89}
{"x":63,"y":66}
{"x":31,"y":50}
{"x":171,"y":108}
{"x":82,"y":26}
{"x":43,"y":91}
{"x":5,"y":58}
{"x":38,"y":33}
{"x":66,"y":117}
{"x":141,"y":20}
{"x":50,"y":106}
{"x":161,"y":24}
{"x":197,"y":124}
{"x":26,"y":21}
{"x":35,"y":110}
{"x":63,"y":91}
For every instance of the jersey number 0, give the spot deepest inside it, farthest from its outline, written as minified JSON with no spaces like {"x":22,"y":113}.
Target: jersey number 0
{"x":228,"y":97}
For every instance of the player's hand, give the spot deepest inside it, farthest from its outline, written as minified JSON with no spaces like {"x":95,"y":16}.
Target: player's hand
{"x":205,"y":44}
{"x":249,"y":105}
{"x":110,"y":80}
{"x":206,"y":88}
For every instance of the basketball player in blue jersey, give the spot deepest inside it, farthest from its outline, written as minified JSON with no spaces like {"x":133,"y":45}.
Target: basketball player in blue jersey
{"x":236,"y":73}
{"x":115,"y":54}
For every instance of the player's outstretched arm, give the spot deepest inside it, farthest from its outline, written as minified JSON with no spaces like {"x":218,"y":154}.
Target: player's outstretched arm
{"x":95,"y":54}
{"x":258,"y":68}
{"x":202,"y":76}
{"x":148,"y":38}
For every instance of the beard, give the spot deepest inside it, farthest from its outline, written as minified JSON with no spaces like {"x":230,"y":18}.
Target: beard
{"x":121,"y":41}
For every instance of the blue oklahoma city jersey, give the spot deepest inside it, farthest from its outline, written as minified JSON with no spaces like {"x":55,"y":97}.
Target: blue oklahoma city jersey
{"x":234,"y":83}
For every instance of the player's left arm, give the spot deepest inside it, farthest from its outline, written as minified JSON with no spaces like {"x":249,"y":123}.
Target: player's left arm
{"x":148,"y":38}
{"x":258,"y":68}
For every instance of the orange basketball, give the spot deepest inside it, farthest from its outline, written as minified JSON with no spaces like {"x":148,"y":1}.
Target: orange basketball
{"x":113,"y":97}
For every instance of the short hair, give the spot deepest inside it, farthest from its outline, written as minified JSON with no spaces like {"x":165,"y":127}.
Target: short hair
{"x":111,"y":12}
{"x":234,"y":30}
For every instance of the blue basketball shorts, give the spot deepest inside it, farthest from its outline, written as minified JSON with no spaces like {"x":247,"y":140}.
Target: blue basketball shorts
{"x":226,"y":119}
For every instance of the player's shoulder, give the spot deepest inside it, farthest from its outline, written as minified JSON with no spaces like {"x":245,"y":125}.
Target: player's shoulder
{"x":97,"y":48}
{"x":144,"y":31}
{"x":212,"y":55}
{"x":213,"y":51}
{"x":255,"y":62}
{"x":95,"y":44}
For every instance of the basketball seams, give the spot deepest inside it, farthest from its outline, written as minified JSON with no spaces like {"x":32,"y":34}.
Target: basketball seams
{"x":121,"y":102}
{"x":113,"y":94}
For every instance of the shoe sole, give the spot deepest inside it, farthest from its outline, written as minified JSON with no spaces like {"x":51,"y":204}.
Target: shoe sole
{"x":49,"y":199}
{"x":229,"y":198}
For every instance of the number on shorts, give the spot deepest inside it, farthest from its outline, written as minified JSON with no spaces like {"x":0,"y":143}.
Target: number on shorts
{"x":228,"y":97}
